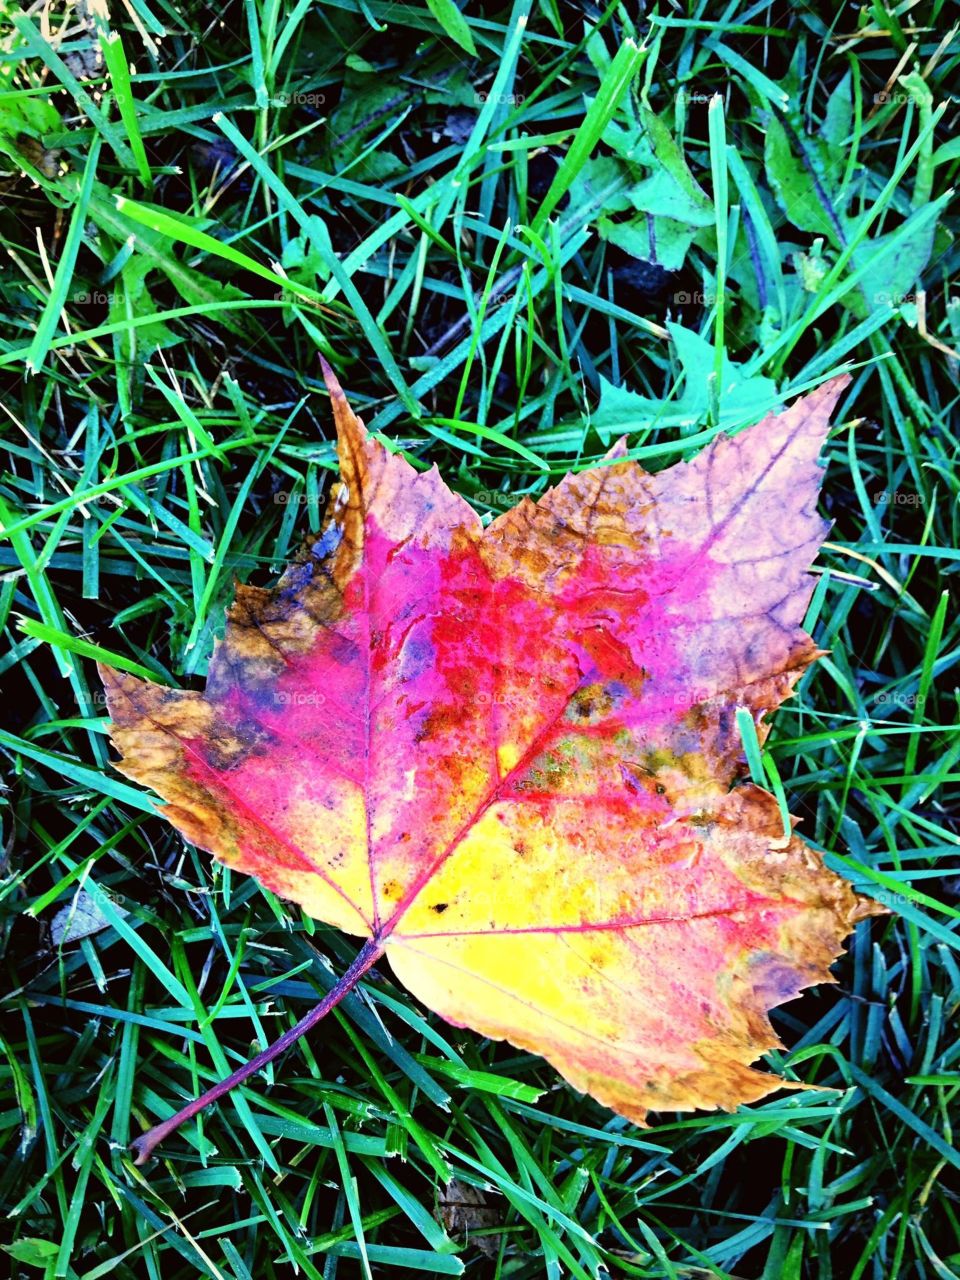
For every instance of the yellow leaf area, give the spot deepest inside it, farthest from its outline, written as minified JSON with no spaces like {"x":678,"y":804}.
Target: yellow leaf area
{"x":508,"y":755}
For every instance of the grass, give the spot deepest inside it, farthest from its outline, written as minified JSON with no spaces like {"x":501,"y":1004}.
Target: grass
{"x":517,"y":233}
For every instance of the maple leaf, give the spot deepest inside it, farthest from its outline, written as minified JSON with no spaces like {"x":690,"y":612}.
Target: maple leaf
{"x":506,"y":756}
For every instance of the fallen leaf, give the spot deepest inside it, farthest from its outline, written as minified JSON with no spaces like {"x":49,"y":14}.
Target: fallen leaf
{"x":740,"y":396}
{"x":32,"y":1251}
{"x":23,"y":125}
{"x":83,"y":54}
{"x":82,"y":917}
{"x":508,"y":756}
{"x":466,"y":1212}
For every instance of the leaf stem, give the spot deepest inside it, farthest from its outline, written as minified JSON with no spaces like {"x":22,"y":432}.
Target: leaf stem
{"x":367,"y":956}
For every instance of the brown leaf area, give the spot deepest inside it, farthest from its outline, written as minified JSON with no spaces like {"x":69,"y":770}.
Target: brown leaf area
{"x":467,"y":1214}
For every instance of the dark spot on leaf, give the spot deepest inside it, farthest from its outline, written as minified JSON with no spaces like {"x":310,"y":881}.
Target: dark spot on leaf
{"x":416,"y":656}
{"x":440,"y":907}
{"x":593,"y":702}
{"x":633,"y":776}
{"x":328,"y":541}
{"x":229,"y":750}
{"x":340,"y":649}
